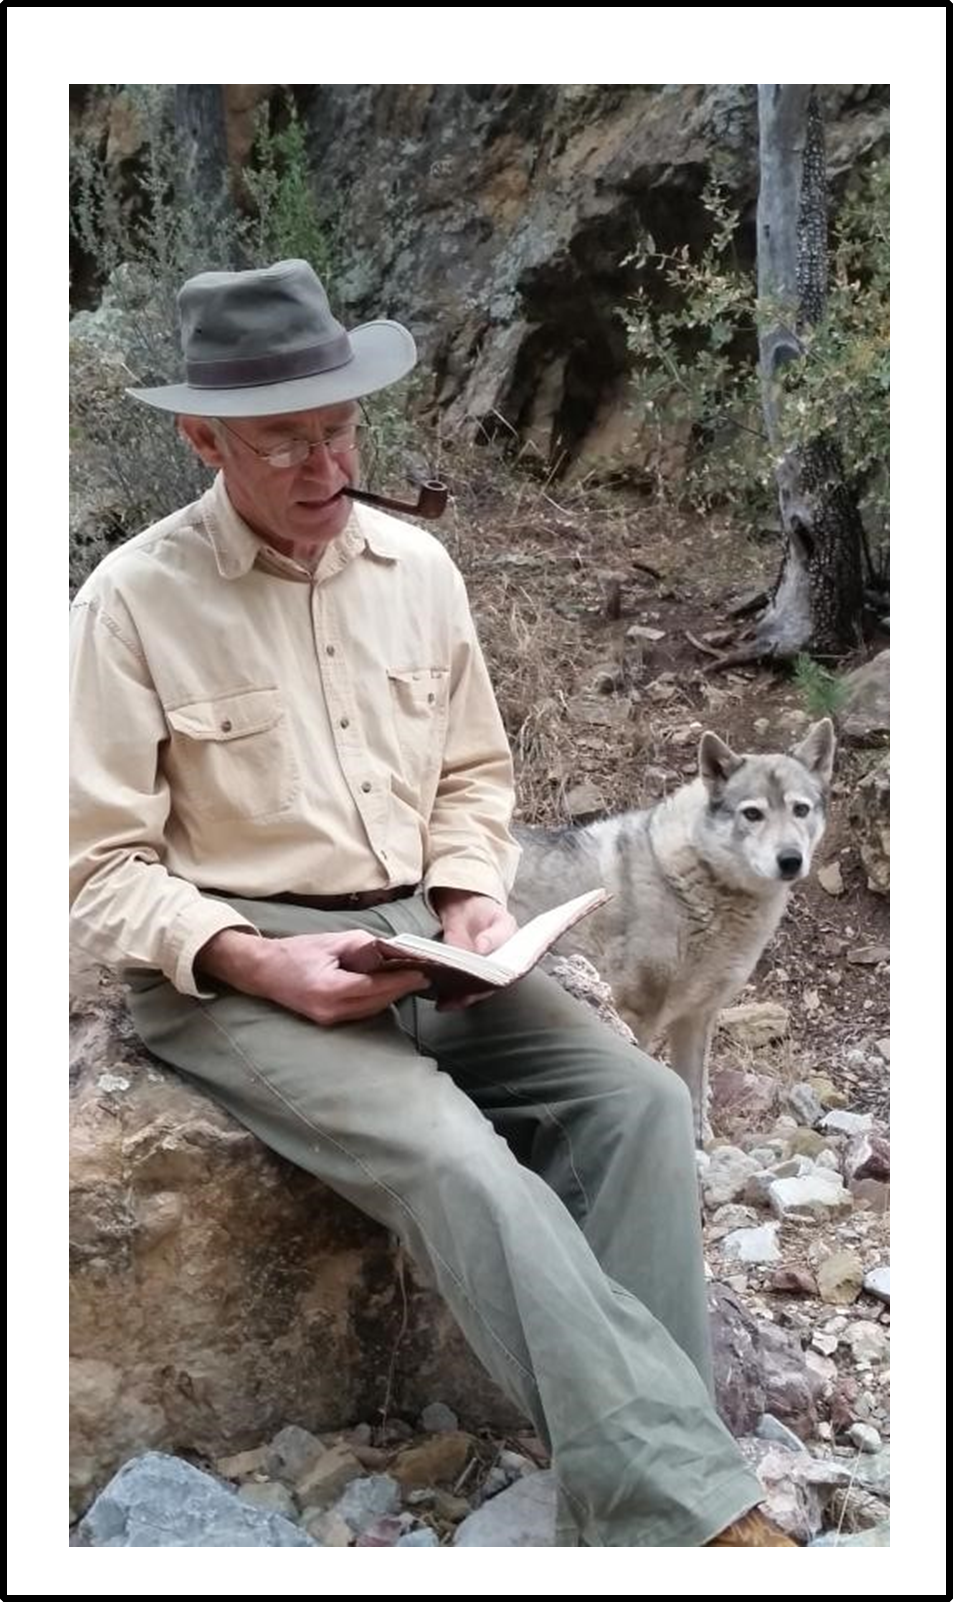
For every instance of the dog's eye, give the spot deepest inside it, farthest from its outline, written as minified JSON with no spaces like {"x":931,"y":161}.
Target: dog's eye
{"x":751,"y":813}
{"x":802,"y":809}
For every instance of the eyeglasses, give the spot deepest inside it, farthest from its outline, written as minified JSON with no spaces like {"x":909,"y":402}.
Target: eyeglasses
{"x":293,"y":453}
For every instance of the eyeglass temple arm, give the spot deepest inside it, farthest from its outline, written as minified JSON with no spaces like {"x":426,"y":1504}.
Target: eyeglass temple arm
{"x":431,"y":501}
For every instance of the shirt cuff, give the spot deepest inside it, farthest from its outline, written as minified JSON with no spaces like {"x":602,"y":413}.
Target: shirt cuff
{"x":472,"y":876}
{"x":200,"y":923}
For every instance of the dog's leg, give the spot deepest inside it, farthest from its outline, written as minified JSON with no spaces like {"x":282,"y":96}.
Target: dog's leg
{"x":689,"y":1041}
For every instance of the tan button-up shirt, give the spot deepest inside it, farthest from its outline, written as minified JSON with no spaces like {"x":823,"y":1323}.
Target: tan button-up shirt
{"x":243,"y":724}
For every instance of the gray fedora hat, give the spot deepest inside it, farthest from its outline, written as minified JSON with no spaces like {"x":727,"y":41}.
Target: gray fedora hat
{"x":264,"y":342}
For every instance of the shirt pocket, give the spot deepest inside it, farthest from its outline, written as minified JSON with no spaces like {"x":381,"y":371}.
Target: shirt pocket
{"x":232,"y":757}
{"x":419,"y":709}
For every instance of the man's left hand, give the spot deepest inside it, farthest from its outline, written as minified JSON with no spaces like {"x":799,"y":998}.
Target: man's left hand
{"x":471,"y":921}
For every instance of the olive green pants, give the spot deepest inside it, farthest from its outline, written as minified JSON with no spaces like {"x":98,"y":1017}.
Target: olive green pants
{"x":541,"y":1173}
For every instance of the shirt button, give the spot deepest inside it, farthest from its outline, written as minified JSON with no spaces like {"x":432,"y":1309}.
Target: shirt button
{"x":431,"y":697}
{"x":345,"y":723}
{"x":329,"y":650}
{"x":226,"y":725}
{"x":365,"y":786}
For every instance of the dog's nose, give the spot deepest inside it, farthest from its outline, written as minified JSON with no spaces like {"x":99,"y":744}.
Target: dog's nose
{"x":790,"y":861}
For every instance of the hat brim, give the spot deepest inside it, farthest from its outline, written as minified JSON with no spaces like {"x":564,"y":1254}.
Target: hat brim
{"x":382,"y":352}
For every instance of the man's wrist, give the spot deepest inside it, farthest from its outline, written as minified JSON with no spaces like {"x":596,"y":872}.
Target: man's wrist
{"x":234,"y":957}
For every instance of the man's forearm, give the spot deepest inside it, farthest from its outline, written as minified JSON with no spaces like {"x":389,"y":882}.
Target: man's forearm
{"x":236,"y":958}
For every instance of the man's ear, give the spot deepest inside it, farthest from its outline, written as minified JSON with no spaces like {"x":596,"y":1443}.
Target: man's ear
{"x":201,"y":433}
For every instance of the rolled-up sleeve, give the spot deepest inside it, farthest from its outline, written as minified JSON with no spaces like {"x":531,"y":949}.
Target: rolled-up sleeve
{"x":126,"y":908}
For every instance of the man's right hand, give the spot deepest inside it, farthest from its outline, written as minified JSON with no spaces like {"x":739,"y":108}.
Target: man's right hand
{"x":321,"y":976}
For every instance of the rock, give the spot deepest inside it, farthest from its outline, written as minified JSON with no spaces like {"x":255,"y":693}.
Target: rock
{"x":523,"y":1514}
{"x":758,"y":1246}
{"x":831,"y":879}
{"x":292,"y":1453}
{"x":860,"y":1542}
{"x":868,"y":955}
{"x":775,"y":1432}
{"x":270,"y":1497}
{"x":382,"y":1531}
{"x":515,"y":1465}
{"x":805,"y":1142}
{"x":864,"y":712}
{"x":160,"y":1500}
{"x":873,"y":1472}
{"x":741,"y":1098}
{"x":331,"y":1473}
{"x":868,"y":1158}
{"x":792,"y":1278}
{"x":812,"y":1194}
{"x":877,"y":1283}
{"x":420,"y":1536}
{"x":217,"y":1292}
{"x":451,"y":1506}
{"x":847,"y":1123}
{"x":244,"y":1464}
{"x":644,"y":632}
{"x":873,"y":1194}
{"x":864,"y":1437}
{"x":805,"y":1103}
{"x":584,"y":801}
{"x":797,"y":1486}
{"x":367,"y":1499}
{"x":840,"y":1277}
{"x":758,"y":1369}
{"x":869,"y":815}
{"x":867,"y":1341}
{"x":327,"y":1528}
{"x":827,"y":1160}
{"x":756,"y":1024}
{"x":439,"y":1459}
{"x":580,"y":979}
{"x":726,"y":1175}
{"x":853,"y":1510}
{"x":826,"y":1091}
{"x":438,"y":1418}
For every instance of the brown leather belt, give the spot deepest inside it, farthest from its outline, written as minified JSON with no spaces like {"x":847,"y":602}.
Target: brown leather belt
{"x":328,"y":901}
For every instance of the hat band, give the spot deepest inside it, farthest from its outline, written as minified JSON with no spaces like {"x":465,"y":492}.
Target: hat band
{"x":245,"y":373}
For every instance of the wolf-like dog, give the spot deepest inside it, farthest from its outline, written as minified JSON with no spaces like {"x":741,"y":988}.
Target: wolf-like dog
{"x":699,"y":885}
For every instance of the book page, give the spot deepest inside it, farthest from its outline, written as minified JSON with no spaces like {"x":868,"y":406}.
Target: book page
{"x":534,"y":938}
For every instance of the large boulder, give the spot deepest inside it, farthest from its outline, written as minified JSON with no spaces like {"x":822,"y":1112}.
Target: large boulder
{"x":219,"y":1293}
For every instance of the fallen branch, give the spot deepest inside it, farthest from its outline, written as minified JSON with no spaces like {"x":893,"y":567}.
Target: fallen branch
{"x":699,"y":645}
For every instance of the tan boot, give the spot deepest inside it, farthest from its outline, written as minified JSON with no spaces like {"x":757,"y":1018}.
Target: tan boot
{"x":753,"y":1529}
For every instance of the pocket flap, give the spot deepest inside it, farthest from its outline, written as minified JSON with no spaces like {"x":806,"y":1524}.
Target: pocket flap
{"x":224,"y":719}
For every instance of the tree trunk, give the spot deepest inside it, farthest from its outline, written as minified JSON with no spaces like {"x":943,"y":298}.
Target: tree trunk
{"x":817,"y":603}
{"x":200,"y":124}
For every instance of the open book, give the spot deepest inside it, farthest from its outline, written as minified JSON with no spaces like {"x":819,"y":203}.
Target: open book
{"x":454,"y":972}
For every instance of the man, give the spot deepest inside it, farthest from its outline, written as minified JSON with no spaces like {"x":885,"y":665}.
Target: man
{"x":286,"y":745}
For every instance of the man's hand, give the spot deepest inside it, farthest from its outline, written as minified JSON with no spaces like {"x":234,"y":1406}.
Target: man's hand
{"x":475,"y":922}
{"x":321,"y":976}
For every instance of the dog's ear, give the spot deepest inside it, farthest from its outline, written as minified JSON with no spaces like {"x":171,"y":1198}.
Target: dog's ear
{"x":816,"y":752}
{"x":716,"y":762}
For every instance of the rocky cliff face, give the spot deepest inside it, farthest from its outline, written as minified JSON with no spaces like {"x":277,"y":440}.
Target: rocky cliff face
{"x":494,"y":221}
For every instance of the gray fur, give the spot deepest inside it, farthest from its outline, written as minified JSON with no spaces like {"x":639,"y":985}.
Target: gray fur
{"x":699,"y":885}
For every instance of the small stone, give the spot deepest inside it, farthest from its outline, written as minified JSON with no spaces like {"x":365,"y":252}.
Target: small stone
{"x":840,"y":1277}
{"x":438,"y":1418}
{"x":877,"y":1283}
{"x":644,"y":632}
{"x":865,"y":1438}
{"x":367,"y":1499}
{"x":775,"y":1432}
{"x":759,"y":1246}
{"x":868,"y":1157}
{"x":322,"y":1484}
{"x":868,"y":954}
{"x":243,"y":1464}
{"x":807,"y":1142}
{"x":439,"y":1459}
{"x":382,"y":1531}
{"x":757,"y":1024}
{"x":867,"y":1341}
{"x":819,"y":1194}
{"x":831,"y":879}
{"x":523,"y":1514}
{"x":792,"y":1278}
{"x":826,"y":1091}
{"x":420,"y":1536}
{"x":326,"y":1527}
{"x":269,"y":1497}
{"x":292,"y":1453}
{"x":827,"y":1160}
{"x":847,"y":1123}
{"x":874,"y":1194}
{"x":824,"y":1342}
{"x":450,"y":1506}
{"x":805,"y":1103}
